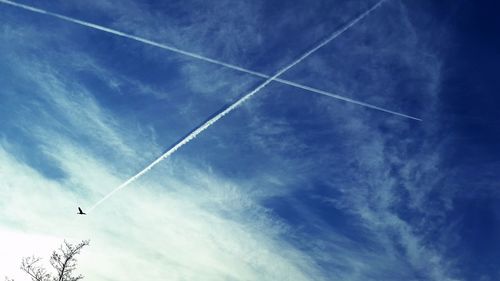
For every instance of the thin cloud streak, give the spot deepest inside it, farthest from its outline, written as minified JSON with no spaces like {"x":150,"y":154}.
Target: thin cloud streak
{"x":226,"y":111}
{"x":221,"y":63}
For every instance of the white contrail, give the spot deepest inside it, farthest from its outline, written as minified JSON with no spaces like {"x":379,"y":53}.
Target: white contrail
{"x":218,"y":62}
{"x":223,"y":113}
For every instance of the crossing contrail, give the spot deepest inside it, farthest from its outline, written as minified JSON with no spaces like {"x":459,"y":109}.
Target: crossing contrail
{"x":223,"y":113}
{"x":218,"y":62}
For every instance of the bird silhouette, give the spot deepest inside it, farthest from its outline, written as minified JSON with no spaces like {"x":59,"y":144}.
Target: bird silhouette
{"x":80,"y":212}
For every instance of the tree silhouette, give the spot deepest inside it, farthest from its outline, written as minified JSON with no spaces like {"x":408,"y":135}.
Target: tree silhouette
{"x":62,"y":260}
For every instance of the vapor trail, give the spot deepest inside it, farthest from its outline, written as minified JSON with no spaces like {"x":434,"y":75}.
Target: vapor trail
{"x":224,"y":112}
{"x":218,"y":62}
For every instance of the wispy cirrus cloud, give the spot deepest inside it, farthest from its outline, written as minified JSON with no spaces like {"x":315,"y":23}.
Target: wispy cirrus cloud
{"x":196,"y":239}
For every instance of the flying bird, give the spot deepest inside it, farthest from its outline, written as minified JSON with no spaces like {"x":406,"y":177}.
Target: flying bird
{"x":80,"y":212}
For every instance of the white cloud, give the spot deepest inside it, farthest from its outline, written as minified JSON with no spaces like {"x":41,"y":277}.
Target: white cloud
{"x":150,"y":228}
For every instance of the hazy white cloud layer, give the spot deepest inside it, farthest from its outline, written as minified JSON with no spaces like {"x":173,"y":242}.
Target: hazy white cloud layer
{"x":78,"y":123}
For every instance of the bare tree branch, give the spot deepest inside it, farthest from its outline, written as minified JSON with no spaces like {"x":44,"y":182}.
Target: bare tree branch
{"x":36,"y":272}
{"x":63,"y":261}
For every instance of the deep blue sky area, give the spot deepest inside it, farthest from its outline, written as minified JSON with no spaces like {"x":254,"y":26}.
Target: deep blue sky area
{"x":292,"y":184}
{"x":470,"y":98}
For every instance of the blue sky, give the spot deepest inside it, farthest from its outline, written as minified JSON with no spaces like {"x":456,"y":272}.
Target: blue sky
{"x":292,"y":185}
